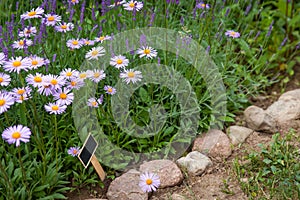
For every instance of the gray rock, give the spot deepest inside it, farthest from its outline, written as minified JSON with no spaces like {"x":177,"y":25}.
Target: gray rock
{"x":168,"y":172}
{"x":214,"y":143}
{"x":238,"y":134}
{"x":284,"y":110}
{"x":126,"y":187}
{"x":259,"y":120}
{"x":294,"y":94}
{"x":195,"y":163}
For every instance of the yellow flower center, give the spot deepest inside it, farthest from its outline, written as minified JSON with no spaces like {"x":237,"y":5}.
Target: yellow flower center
{"x":63,"y":26}
{"x":131,"y":5}
{"x":74,"y":151}
{"x":17,"y":63}
{"x":16,"y":135}
{"x":119,"y":61}
{"x":69,"y":74}
{"x":94,"y":103}
{"x":147,"y":51}
{"x":82,"y":76}
{"x":37,"y":79}
{"x":21,"y":91}
{"x":130,"y":74}
{"x":74,"y":42}
{"x":101,"y":38}
{"x":96,"y":74}
{"x":148,"y":181}
{"x":73,"y":83}
{"x":55,"y":107}
{"x":232,"y":33}
{"x":21,"y":42}
{"x":32,"y":13}
{"x":1,"y":79}
{"x":73,"y":1}
{"x":54,"y":82}
{"x":28,"y":31}
{"x":63,"y":96}
{"x":51,"y":18}
{"x":94,"y":53}
{"x":34,"y":62}
{"x":203,"y":5}
{"x":2,"y":102}
{"x":86,"y":42}
{"x":109,"y":90}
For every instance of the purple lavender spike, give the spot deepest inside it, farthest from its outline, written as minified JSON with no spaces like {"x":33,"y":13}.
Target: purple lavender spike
{"x":119,"y":26}
{"x":93,"y":14}
{"x":82,"y":12}
{"x":143,"y":40}
{"x":270,"y":29}
{"x":152,"y":18}
{"x":227,"y":12}
{"x":257,"y":34}
{"x":248,"y":9}
{"x":94,"y":28}
{"x":72,"y":11}
{"x":54,"y":58}
{"x":182,"y":20}
{"x":283,"y":42}
{"x":207,"y":49}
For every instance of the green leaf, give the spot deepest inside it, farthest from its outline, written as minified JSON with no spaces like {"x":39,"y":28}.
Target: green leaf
{"x":144,"y":94}
{"x":267,"y":161}
{"x":273,"y":169}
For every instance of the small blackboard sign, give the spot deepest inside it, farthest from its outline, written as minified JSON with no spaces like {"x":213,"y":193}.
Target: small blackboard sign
{"x":89,"y":147}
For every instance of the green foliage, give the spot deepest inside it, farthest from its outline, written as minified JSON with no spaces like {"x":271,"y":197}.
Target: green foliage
{"x":272,"y":173}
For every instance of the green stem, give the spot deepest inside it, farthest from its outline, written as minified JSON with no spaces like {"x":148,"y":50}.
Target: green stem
{"x":23,"y":171}
{"x":23,"y":112}
{"x":4,"y":174}
{"x":56,"y":141}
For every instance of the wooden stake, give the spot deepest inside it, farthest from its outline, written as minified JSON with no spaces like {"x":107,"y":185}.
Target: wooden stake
{"x":98,"y":167}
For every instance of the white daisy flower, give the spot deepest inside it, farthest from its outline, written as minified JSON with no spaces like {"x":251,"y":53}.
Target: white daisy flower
{"x":63,"y":97}
{"x":2,"y":58}
{"x":69,"y":73}
{"x":35,"y":80}
{"x":95,"y":53}
{"x":34,"y":13}
{"x":133,"y":5}
{"x":117,"y":3}
{"x":52,"y":19}
{"x":74,"y":43}
{"x":147,"y":52}
{"x":22,"y":43}
{"x":16,"y":134}
{"x":102,"y":38}
{"x":17,"y":64}
{"x":119,"y":61}
{"x":55,"y":108}
{"x":28,"y":31}
{"x":4,"y":79}
{"x":97,"y":75}
{"x":93,"y":102}
{"x":131,"y":76}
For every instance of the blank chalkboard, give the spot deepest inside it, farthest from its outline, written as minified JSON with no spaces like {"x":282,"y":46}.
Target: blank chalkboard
{"x":87,"y":151}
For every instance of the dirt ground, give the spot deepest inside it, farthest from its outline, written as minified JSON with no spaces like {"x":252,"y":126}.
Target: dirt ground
{"x":219,"y":181}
